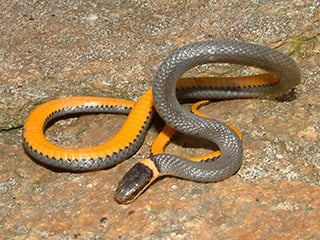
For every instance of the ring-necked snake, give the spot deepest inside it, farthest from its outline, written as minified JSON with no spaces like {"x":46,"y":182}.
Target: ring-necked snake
{"x":282,"y":75}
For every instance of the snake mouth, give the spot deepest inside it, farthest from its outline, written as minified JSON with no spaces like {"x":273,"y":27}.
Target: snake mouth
{"x":134,"y":182}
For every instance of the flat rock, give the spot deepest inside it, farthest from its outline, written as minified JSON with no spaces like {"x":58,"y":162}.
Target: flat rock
{"x":53,"y":49}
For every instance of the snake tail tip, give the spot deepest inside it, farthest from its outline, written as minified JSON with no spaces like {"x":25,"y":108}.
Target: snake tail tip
{"x":134,"y":182}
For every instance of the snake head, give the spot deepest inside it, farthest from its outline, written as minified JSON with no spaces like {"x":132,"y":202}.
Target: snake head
{"x":134,"y":182}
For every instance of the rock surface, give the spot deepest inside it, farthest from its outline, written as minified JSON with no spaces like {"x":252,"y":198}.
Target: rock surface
{"x":52,"y":49}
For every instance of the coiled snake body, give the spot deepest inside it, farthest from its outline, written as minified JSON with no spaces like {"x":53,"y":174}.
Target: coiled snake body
{"x":283,"y":74}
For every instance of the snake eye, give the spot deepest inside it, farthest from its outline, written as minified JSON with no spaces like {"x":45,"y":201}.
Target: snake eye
{"x":133,"y":183}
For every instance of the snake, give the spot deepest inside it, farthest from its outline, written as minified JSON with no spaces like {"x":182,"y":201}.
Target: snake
{"x":281,"y":75}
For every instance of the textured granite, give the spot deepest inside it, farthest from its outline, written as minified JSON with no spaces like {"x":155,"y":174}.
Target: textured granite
{"x":51,"y":49}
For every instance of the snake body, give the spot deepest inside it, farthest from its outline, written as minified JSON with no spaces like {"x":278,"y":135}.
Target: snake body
{"x":283,"y":74}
